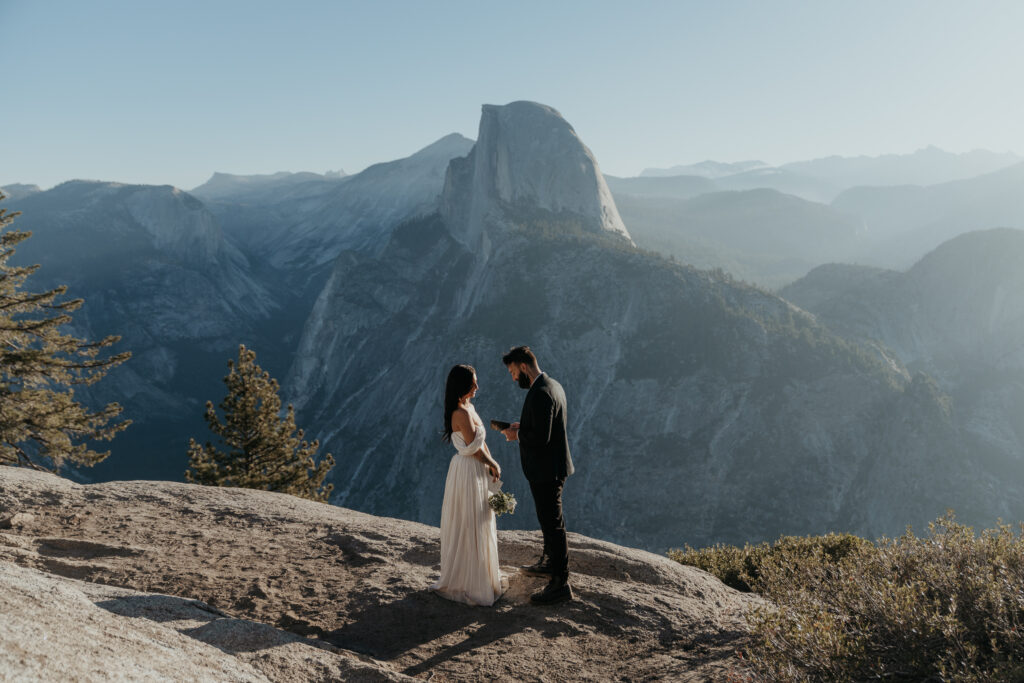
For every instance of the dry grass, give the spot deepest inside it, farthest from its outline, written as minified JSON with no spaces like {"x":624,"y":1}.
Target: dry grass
{"x":947,"y":606}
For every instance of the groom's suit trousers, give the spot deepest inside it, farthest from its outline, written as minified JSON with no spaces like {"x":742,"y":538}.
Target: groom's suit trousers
{"x":544,"y":450}
{"x":547,"y":496}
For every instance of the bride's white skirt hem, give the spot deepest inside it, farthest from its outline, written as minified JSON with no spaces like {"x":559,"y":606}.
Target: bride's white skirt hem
{"x":468,"y":599}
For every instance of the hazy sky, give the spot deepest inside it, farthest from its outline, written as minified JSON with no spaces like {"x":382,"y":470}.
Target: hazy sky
{"x":169,"y":92}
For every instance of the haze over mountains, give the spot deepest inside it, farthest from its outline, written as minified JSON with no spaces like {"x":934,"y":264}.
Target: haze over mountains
{"x":762,"y":235}
{"x":957,"y":315}
{"x":702,"y":409}
{"x":928,"y":166}
{"x":908,"y":221}
{"x":893,"y":210}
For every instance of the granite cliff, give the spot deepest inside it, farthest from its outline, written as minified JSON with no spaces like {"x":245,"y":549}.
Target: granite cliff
{"x":701,"y":410}
{"x":527,"y":158}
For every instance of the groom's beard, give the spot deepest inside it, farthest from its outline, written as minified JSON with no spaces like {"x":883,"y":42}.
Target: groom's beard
{"x":524,"y":381}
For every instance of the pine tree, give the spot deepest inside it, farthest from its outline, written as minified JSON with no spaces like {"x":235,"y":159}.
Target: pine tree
{"x":264,"y":450}
{"x":40,"y":420}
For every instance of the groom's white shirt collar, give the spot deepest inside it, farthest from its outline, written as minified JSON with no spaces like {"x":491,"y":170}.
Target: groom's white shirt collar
{"x":536,"y":378}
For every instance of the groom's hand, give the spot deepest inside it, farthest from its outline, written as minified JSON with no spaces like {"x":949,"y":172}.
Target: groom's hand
{"x":512,"y":433}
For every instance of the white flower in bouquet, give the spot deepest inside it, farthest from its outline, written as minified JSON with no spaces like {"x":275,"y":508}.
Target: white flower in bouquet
{"x":500,"y":501}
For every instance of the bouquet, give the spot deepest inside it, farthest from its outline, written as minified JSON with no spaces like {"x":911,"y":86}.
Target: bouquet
{"x":501,"y":501}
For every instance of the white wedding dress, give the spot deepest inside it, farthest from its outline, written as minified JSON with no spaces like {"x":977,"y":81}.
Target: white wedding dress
{"x":469,"y":535}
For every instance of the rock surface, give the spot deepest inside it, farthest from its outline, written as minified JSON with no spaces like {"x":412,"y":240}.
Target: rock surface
{"x":526,"y":157}
{"x":124,"y":580}
{"x":56,"y":627}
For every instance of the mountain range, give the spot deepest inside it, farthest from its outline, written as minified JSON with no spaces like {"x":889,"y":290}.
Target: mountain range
{"x":957,"y":315}
{"x":702,"y":409}
{"x":826,"y":177}
{"x":763,"y":236}
{"x":889,"y":226}
{"x":905,"y":222}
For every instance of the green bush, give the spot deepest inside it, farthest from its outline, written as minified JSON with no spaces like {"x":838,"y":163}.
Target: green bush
{"x":734,"y":566}
{"x":740,"y":568}
{"x":948,"y":606}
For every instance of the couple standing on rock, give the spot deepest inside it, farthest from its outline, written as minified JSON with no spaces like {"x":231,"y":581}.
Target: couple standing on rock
{"x":469,"y":537}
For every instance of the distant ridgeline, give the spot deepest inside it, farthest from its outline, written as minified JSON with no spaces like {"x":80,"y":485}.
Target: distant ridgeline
{"x":701,"y":409}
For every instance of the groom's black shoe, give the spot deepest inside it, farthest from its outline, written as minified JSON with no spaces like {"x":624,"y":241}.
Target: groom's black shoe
{"x":558,"y":590}
{"x":541,"y":568}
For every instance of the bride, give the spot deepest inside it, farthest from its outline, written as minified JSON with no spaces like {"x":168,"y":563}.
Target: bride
{"x":469,"y":537}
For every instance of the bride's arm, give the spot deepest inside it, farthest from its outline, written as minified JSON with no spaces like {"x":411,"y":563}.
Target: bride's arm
{"x":461,"y":422}
{"x":491,"y":463}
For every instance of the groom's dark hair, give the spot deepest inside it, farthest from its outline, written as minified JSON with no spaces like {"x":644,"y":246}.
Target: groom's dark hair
{"x":520,"y":354}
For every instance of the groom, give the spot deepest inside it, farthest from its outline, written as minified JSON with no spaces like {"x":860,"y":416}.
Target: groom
{"x":544,"y":450}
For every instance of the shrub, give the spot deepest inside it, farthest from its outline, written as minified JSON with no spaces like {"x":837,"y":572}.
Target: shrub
{"x":948,"y":606}
{"x":740,"y":568}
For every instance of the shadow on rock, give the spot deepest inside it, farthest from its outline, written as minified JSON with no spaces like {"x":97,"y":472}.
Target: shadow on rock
{"x":161,"y":608}
{"x":389,"y":630}
{"x":427,"y":624}
{"x":215,"y":628}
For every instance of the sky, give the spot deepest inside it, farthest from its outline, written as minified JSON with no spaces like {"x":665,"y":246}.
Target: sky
{"x":169,"y":92}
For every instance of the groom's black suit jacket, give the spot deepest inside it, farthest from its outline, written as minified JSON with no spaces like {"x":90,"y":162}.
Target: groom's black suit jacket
{"x":543,"y":445}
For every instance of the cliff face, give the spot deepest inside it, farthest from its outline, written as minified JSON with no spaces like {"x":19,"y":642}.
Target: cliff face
{"x":527,"y":158}
{"x":367,"y":206}
{"x":957,"y":315}
{"x":700,"y":410}
{"x":140,"y":237}
{"x":300,"y":225}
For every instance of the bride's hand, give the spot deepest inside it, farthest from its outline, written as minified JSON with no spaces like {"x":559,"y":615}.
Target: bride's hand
{"x":496,"y":471}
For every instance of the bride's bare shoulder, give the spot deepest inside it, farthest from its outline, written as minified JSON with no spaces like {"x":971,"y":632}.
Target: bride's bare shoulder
{"x":460,"y":417}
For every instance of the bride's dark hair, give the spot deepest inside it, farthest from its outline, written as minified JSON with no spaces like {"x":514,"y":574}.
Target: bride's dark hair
{"x":460,"y":381}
